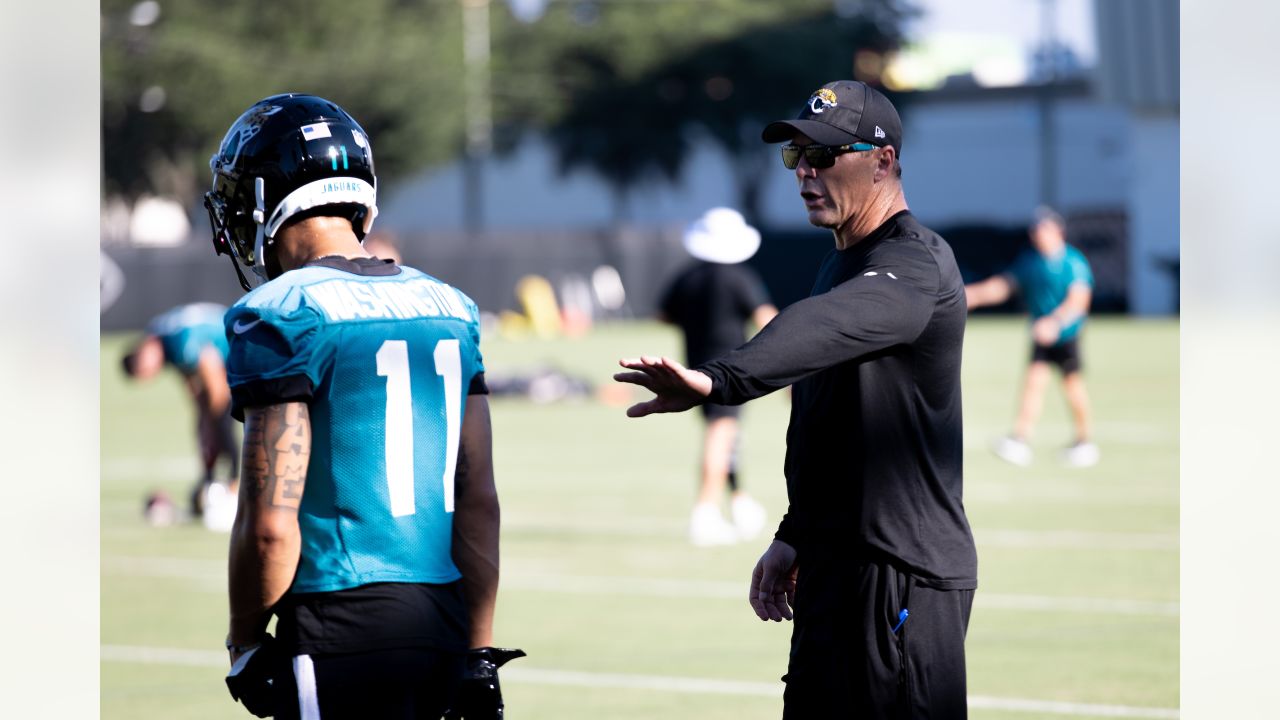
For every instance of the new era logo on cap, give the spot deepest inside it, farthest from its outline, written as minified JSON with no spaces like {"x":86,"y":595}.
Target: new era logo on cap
{"x":879,"y":132}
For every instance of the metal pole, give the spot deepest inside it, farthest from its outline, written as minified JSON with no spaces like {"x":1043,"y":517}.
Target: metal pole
{"x":479,"y":109}
{"x":1048,"y":132}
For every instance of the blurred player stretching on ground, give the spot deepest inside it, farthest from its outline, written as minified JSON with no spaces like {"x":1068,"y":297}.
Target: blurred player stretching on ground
{"x":191,"y":339}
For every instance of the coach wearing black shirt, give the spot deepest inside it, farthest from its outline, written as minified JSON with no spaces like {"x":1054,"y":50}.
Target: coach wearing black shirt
{"x":875,"y":554}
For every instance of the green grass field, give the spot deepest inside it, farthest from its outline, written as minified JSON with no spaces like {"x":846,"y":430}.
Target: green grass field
{"x":1076,"y":613}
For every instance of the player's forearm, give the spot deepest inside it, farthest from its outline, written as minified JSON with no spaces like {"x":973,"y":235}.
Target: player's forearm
{"x":266,"y":541}
{"x":260,"y":571}
{"x":214,"y":401}
{"x":476,"y":520}
{"x":476,"y":525}
{"x":991,"y":291}
{"x":973,"y":297}
{"x":213,"y":395}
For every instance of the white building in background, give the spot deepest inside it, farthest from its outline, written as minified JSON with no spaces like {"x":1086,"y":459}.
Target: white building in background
{"x":971,"y":156}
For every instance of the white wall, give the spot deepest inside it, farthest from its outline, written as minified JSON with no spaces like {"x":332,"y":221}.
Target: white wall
{"x":1153,"y":199}
{"x":980,"y":161}
{"x":524,"y":190}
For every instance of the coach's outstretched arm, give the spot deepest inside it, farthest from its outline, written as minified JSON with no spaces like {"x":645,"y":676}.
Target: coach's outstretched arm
{"x":853,"y":319}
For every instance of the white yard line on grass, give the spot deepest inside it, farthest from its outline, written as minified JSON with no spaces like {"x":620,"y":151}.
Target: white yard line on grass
{"x":657,"y":683}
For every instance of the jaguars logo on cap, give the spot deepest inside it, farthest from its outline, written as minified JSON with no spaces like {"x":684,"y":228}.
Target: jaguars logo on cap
{"x":821,"y":100}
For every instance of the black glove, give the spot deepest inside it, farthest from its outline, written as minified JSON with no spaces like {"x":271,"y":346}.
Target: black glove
{"x":479,"y":696}
{"x":250,"y":679}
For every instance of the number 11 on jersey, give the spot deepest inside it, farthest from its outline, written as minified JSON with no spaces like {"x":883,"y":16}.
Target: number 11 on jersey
{"x":393,"y":364}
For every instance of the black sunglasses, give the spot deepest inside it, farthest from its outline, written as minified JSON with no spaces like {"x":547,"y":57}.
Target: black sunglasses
{"x":819,"y":156}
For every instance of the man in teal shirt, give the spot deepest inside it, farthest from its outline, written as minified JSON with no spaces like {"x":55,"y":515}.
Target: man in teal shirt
{"x":1056,"y":284}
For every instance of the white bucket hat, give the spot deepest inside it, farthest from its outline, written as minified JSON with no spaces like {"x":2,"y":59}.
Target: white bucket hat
{"x":721,"y":235}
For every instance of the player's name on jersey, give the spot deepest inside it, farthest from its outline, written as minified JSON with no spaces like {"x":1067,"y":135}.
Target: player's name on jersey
{"x":399,"y":300}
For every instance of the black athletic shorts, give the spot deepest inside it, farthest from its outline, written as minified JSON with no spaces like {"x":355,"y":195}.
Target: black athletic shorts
{"x":392,"y":684}
{"x":1066,"y":355}
{"x":711,"y":411}
{"x":854,"y":656}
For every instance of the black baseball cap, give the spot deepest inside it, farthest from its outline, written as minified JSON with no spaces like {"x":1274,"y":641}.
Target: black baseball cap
{"x":841,"y":113}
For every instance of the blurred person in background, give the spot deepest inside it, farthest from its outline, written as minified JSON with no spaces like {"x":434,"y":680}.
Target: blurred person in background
{"x":191,"y":339}
{"x":874,"y":560}
{"x":712,"y":302}
{"x":1056,"y":284}
{"x":368,"y":518}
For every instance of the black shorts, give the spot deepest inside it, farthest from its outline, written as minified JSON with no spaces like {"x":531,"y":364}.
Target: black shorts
{"x":399,"y":684}
{"x":847,"y":660}
{"x":711,"y":411}
{"x":1066,"y":355}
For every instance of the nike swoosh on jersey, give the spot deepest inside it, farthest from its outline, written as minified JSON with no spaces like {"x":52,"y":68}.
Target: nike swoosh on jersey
{"x":243,"y":327}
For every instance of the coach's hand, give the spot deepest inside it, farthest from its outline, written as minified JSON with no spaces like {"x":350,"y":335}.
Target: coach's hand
{"x":479,"y":696}
{"x":677,"y":387}
{"x":773,"y":583}
{"x":252,"y":671}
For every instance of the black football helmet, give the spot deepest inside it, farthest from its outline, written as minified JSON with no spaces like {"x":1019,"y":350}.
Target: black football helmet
{"x":285,"y":155}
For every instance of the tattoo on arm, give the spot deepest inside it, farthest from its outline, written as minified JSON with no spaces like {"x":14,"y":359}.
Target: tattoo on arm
{"x":277,"y":449}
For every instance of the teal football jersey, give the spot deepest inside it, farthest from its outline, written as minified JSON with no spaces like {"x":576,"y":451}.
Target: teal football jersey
{"x":185,"y":331}
{"x":385,"y":362}
{"x":1044,"y":281}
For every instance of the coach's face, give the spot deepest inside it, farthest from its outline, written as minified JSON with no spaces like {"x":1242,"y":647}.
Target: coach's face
{"x":836,"y":195}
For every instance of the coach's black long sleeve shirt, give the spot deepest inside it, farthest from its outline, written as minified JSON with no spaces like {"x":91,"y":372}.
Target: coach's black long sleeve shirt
{"x":875,"y":444}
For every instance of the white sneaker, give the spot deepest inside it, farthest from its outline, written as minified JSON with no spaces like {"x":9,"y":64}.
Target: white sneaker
{"x":219,"y":508}
{"x":1081,"y":455}
{"x":748,"y":516}
{"x":707,"y":527}
{"x":1012,"y":450}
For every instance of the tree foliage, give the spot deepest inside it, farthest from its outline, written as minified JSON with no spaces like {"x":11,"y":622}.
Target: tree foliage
{"x":621,"y":86}
{"x":626,"y":99}
{"x":397,"y":66}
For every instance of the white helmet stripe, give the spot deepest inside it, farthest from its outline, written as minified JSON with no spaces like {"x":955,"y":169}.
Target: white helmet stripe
{"x":329,"y":191}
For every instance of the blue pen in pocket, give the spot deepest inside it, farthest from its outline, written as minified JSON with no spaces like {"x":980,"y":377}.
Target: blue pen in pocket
{"x":902,"y":619}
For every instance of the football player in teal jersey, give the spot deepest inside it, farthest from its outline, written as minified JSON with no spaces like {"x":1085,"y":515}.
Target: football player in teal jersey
{"x":191,"y":339}
{"x":1056,"y":284}
{"x":368,"y":515}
